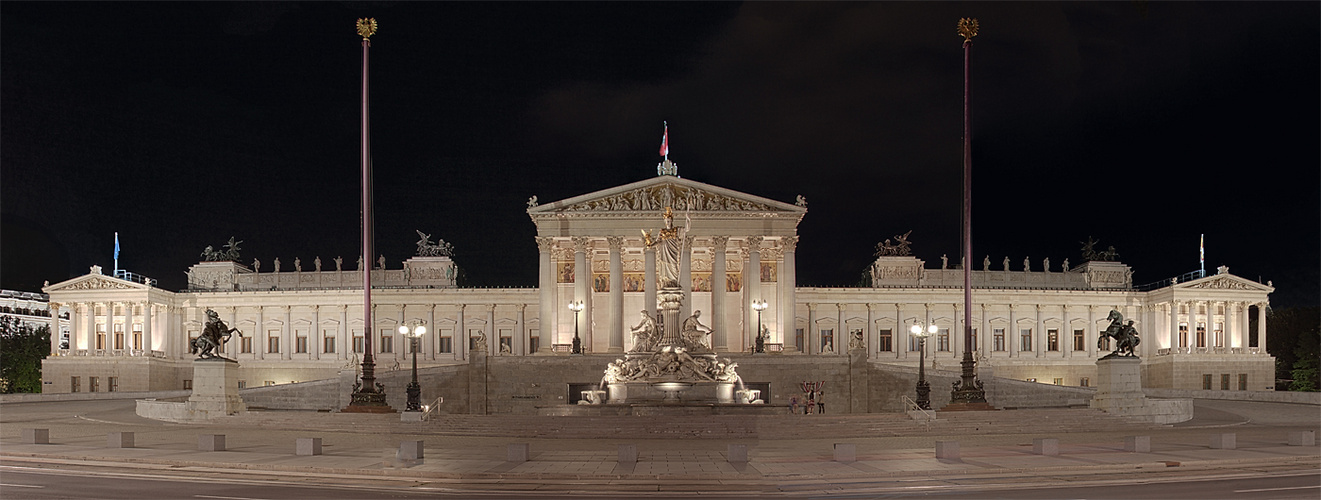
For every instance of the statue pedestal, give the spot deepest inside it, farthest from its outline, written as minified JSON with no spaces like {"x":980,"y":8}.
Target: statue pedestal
{"x":215,"y":388}
{"x":1119,"y":392}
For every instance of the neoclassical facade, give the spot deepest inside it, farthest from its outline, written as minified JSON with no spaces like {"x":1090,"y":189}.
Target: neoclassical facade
{"x":305,"y":323}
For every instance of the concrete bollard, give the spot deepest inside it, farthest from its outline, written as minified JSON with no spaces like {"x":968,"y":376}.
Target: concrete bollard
{"x":1137,"y":444}
{"x":737,"y":453}
{"x":119,"y":440}
{"x":518,"y":452}
{"x":211,"y":442}
{"x":410,"y":450}
{"x":846,"y":452}
{"x":36,"y":436}
{"x":628,"y":453}
{"x":947,"y":450}
{"x":1223,"y":441}
{"x":1302,"y":438}
{"x":1046,"y":446}
{"x":307,"y":447}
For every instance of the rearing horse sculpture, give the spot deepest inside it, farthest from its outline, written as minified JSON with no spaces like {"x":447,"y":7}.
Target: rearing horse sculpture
{"x":1125,"y":336}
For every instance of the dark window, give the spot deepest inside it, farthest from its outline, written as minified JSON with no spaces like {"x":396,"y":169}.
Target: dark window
{"x":1052,"y":340}
{"x":1206,"y":381}
{"x":886,"y":341}
{"x":446,"y":344}
{"x":1078,"y":343}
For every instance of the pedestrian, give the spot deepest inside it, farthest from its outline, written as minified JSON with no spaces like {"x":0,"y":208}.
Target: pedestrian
{"x":821,"y":402}
{"x":811,"y":402}
{"x":793,"y":405}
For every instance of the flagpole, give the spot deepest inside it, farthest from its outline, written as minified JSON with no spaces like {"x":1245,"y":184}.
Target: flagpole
{"x":116,"y":254}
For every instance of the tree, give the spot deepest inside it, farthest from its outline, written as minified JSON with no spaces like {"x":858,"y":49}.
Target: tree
{"x":1307,"y":367}
{"x":1294,"y":341}
{"x":22,"y":348}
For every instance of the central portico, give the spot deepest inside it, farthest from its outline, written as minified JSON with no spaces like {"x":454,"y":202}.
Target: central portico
{"x":736,"y":248}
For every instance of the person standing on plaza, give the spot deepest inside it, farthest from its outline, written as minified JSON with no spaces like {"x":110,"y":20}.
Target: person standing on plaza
{"x":793,"y":405}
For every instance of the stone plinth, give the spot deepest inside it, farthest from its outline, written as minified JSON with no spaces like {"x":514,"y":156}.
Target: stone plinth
{"x":119,"y":440}
{"x":307,"y":446}
{"x":1137,"y":444}
{"x":215,"y":388}
{"x":1119,"y":392}
{"x":36,"y":436}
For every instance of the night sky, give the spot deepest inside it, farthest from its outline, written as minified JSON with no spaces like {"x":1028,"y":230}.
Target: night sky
{"x":1141,"y":124}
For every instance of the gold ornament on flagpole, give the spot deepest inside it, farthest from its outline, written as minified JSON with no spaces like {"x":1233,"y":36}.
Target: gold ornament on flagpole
{"x":367,"y":27}
{"x":968,"y":28}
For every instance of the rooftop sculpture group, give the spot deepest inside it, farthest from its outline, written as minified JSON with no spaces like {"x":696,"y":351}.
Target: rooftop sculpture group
{"x":231,"y":252}
{"x":898,"y":249}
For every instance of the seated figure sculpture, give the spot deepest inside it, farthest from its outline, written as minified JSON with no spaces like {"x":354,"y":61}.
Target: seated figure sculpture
{"x":694,"y":332}
{"x":644,"y":334}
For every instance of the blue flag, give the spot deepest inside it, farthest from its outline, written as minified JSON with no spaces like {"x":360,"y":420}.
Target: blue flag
{"x":116,"y":245}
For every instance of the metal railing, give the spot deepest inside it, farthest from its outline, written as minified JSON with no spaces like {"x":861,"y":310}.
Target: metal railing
{"x":427,"y":410}
{"x":927,"y":415}
{"x":134,"y":277}
{"x":1185,"y":277}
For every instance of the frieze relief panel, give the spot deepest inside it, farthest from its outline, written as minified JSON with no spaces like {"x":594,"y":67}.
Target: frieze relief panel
{"x":1222,"y":284}
{"x":97,"y":284}
{"x":681,"y":198}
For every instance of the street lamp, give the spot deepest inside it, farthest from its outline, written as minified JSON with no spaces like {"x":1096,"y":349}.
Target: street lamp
{"x":923,"y":389}
{"x":760,"y":305}
{"x":413,"y":330}
{"x":577,"y":307}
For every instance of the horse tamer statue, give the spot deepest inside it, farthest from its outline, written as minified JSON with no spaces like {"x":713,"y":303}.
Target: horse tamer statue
{"x":1125,"y":336}
{"x":212,"y":338}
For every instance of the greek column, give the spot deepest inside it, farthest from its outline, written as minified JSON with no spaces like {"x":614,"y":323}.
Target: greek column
{"x":616,"y":325}
{"x":1091,"y":332}
{"x":89,"y":334}
{"x":752,"y":283}
{"x":1173,"y":330}
{"x":263,"y":340}
{"x":901,"y":346}
{"x":233,"y":323}
{"x":520,"y":339}
{"x":128,"y":326}
{"x":492,"y":334}
{"x":546,"y":294}
{"x":54,"y":308}
{"x":813,"y":334}
{"x":1040,"y":340}
{"x":147,"y":319}
{"x":788,"y":286}
{"x":582,"y":282}
{"x":315,"y":337}
{"x":686,"y":276}
{"x":840,"y":344}
{"x":719,"y":323}
{"x":405,"y":341}
{"x":287,"y":350}
{"x":433,"y":332}
{"x":1014,"y":337}
{"x":869,"y":331}
{"x":649,"y":283}
{"x":342,"y":334}
{"x":985,"y":338}
{"x":1261,"y":325}
{"x":460,"y":334}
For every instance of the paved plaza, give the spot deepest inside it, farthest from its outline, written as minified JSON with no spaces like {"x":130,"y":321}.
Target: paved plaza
{"x":263,"y":446}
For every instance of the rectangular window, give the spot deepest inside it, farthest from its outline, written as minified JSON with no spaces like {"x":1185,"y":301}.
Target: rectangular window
{"x":472,"y":340}
{"x":245,"y":344}
{"x":1183,"y":335}
{"x":886,"y":341}
{"x":1052,"y":340}
{"x":328,"y":345}
{"x":1242,"y":381}
{"x":1220,"y":334}
{"x":243,"y":384}
{"x":446,"y":346}
{"x":507,"y":344}
{"x":1058,"y":381}
{"x":1085,"y":382}
{"x":112,"y":384}
{"x":942,"y":339}
{"x":273,"y":344}
{"x":387,"y":342}
{"x":93,"y":384}
{"x":1104,"y":343}
{"x":1206,"y":381}
{"x":137,"y":339}
{"x":269,"y":383}
{"x":828,"y":340}
{"x":1224,"y":381}
{"x":73,"y":384}
{"x":358,"y":344}
{"x":100,"y":336}
{"x":998,"y":339}
{"x":1078,"y":343}
{"x":798,"y":340}
{"x":1026,"y":336}
{"x":300,"y":345}
{"x":533,"y":341}
{"x":187,"y":384}
{"x":119,"y":336}
{"x":1201,"y":335}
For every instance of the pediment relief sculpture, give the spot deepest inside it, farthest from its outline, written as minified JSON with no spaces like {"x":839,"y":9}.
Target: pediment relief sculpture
{"x":97,"y":284}
{"x":681,"y":198}
{"x":1223,"y":283}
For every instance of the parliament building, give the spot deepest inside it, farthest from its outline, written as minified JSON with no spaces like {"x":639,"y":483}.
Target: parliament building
{"x":1034,"y":322}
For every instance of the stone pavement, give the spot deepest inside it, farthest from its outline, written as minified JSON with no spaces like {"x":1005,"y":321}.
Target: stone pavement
{"x":780,"y":463}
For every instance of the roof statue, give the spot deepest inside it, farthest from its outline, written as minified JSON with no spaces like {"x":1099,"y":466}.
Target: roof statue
{"x":231,"y":252}
{"x":425,"y":248}
{"x":1089,"y":252}
{"x":901,"y":247}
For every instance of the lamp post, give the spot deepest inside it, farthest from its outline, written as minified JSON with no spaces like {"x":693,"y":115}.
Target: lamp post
{"x":923,"y":389}
{"x":760,"y":346}
{"x":413,"y":330}
{"x":577,"y":307}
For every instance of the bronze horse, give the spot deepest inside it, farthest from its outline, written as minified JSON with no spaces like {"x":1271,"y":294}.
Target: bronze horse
{"x":1125,"y":336}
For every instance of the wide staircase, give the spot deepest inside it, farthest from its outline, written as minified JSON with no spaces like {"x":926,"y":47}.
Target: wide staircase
{"x":1026,"y":421}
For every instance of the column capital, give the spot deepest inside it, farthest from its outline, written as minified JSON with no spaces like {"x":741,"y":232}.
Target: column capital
{"x":616,"y":243}
{"x":522,"y":307}
{"x":811,"y":306}
{"x":719,"y":243}
{"x":870,"y":307}
{"x":840,"y":305}
{"x":754,"y":243}
{"x":789,"y":243}
{"x":545,"y":244}
{"x":581,"y":243}
{"x":688,"y":241}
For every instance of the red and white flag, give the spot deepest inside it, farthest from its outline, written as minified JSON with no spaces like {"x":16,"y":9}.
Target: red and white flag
{"x":665,"y":141}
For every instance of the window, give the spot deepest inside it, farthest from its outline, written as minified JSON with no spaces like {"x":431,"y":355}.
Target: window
{"x":1026,"y":336}
{"x":187,"y":384}
{"x":1104,"y":343}
{"x":1242,"y":381}
{"x":100,"y":336}
{"x":273,"y":344}
{"x":245,"y":345}
{"x":358,"y":346}
{"x":886,"y":343}
{"x":507,"y":344}
{"x":137,"y":337}
{"x":827,"y":340}
{"x":974,"y":339}
{"x":300,"y":344}
{"x":243,"y":384}
{"x":113,"y":384}
{"x":998,"y":339}
{"x":192,"y":337}
{"x":942,"y":340}
{"x":1078,"y":343}
{"x":73,"y":384}
{"x":1183,"y":336}
{"x":446,"y":345}
{"x":328,"y":345}
{"x":269,"y":383}
{"x":1033,"y":379}
{"x":1201,"y":335}
{"x":93,"y":384}
{"x":1220,"y":334}
{"x":798,"y":340}
{"x":1224,"y":381}
{"x":387,"y":342}
{"x":119,"y":336}
{"x":1052,"y":340}
{"x":533,"y":342}
{"x":1085,"y":382}
{"x":1058,"y":381}
{"x":1206,"y":382}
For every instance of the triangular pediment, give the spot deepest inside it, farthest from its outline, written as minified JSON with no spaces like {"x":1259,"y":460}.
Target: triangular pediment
{"x":1224,"y":282}
{"x":654,"y":194}
{"x":94,"y":282}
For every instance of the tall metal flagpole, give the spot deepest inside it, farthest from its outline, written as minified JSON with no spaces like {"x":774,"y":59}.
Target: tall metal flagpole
{"x":968,"y":394}
{"x":367,"y":398}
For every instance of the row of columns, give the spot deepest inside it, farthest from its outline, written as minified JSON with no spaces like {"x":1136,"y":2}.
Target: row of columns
{"x":1235,"y":320}
{"x":82,"y":325}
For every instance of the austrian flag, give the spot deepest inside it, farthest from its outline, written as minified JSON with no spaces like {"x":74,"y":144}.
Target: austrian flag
{"x":665,"y":141}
